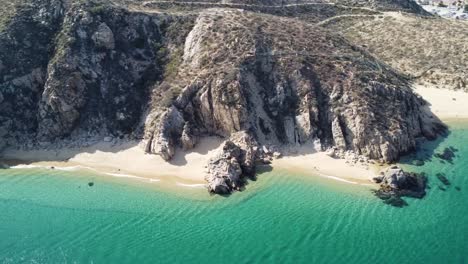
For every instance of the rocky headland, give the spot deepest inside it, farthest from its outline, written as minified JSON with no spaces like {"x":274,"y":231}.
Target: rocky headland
{"x":73,"y":72}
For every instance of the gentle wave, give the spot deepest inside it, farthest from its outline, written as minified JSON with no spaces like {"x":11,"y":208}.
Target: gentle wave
{"x":337,"y":178}
{"x":79,"y":167}
{"x":120,"y":175}
{"x":27,"y":167}
{"x":69,"y":168}
{"x":197,"y":185}
{"x":74,"y":168}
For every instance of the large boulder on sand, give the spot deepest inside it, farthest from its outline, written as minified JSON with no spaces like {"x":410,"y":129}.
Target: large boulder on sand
{"x":236,"y":159}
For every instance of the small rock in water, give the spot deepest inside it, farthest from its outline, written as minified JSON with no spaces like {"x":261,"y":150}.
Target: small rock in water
{"x":442,"y":178}
{"x":395,"y":183}
{"x":457,"y":188}
{"x":52,"y":168}
{"x":448,"y":154}
{"x":90,"y":184}
{"x":442,"y":188}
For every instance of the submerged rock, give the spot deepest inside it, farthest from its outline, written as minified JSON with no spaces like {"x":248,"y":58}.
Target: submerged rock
{"x":90,"y":184}
{"x":442,"y":178}
{"x":448,"y":154}
{"x":396,"y":183}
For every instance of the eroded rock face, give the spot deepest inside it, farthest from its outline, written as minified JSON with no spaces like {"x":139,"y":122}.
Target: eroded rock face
{"x":97,"y":76}
{"x":396,"y":183}
{"x":104,"y":37}
{"x":235,"y":161}
{"x":263,"y":87}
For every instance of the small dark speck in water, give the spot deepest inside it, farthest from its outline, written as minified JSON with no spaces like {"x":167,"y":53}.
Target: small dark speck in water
{"x":52,"y":167}
{"x":442,"y":188}
{"x":90,"y":184}
{"x":457,"y":188}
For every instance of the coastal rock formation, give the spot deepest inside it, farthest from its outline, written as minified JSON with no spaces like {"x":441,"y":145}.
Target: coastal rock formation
{"x":316,"y":88}
{"x":100,"y":70}
{"x":235,"y":161}
{"x":396,"y":183}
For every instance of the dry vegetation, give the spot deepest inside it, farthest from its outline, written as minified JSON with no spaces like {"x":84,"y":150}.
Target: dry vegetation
{"x":431,"y":50}
{"x":8,"y":8}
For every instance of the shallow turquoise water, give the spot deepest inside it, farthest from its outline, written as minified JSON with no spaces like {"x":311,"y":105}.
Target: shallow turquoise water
{"x":54,"y":217}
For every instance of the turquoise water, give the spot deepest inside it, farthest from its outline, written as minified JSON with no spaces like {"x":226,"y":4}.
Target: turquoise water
{"x":50,"y":216}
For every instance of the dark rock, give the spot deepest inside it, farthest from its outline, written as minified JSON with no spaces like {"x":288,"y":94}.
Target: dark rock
{"x":457,"y":188}
{"x":90,"y":184}
{"x":442,"y":188}
{"x":396,"y":183}
{"x":448,"y":154}
{"x":378,"y":179}
{"x":396,"y":201}
{"x":443,"y":178}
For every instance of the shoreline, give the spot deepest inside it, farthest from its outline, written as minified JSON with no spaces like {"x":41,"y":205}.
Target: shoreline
{"x":188,"y":168}
{"x":122,"y":160}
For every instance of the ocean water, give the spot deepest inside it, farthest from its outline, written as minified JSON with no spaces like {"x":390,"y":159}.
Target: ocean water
{"x":52,"y":216}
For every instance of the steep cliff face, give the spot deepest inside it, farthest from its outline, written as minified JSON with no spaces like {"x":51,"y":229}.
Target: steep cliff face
{"x":97,"y":80}
{"x":86,"y":70}
{"x":287,"y":90}
{"x":25,"y":49}
{"x":81,"y":69}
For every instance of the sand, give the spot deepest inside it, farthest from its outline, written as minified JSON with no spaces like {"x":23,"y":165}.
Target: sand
{"x":187,"y":169}
{"x":125,"y":160}
{"x":309,"y":162}
{"x":445,"y":104}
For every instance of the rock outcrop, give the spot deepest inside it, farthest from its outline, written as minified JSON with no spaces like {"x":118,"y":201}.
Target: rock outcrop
{"x":396,"y":183}
{"x":315,"y":88}
{"x":236,"y":160}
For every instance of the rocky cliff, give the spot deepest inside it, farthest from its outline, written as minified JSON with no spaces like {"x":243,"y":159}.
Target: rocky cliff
{"x":71,"y":71}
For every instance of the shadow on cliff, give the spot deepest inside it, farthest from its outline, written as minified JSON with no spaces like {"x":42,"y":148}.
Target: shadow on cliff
{"x":426,"y":148}
{"x":425,"y":151}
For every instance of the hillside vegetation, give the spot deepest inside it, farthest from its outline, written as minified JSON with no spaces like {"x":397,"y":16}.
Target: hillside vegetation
{"x":430,"y":50}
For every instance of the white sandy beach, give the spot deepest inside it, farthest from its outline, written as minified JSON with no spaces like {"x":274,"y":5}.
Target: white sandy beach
{"x":309,"y":162}
{"x":444,"y":103}
{"x":127,"y":160}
